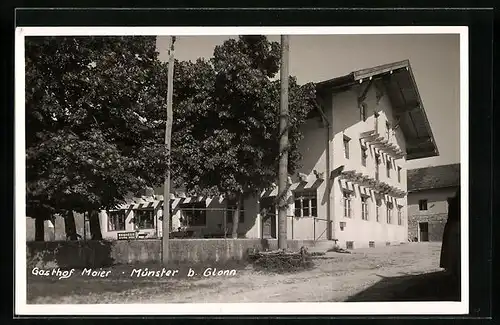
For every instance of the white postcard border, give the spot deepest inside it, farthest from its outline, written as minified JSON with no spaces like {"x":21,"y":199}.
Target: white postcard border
{"x":316,"y":308}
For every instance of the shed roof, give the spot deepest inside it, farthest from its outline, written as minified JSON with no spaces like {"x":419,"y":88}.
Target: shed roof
{"x":427,"y":178}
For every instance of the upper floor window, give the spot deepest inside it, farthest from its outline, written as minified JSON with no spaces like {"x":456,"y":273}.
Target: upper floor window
{"x":363,"y":155}
{"x":387,"y":130}
{"x":347,"y":204}
{"x":377,"y":164}
{"x":376,"y":115}
{"x":306,"y":204}
{"x":362,"y":111}
{"x":422,"y":205}
{"x":388,"y":168}
{"x":399,"y":174}
{"x":116,"y":220}
{"x":347,"y":141}
{"x":193,"y":214}
{"x":364,"y":208}
{"x":144,"y":219}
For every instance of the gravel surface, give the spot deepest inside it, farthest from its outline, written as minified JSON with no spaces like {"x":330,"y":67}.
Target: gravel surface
{"x":372,"y":274}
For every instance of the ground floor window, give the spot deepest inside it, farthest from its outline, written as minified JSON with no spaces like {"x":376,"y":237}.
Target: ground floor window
{"x":306,"y":204}
{"x":144,"y":219}
{"x":389,"y":212}
{"x":364,"y":208}
{"x":347,"y":198}
{"x":193,"y":215}
{"x":400,"y":215}
{"x":378,"y":205}
{"x":116,"y":220}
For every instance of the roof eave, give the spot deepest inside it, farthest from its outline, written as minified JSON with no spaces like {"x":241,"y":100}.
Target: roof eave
{"x":432,"y":188}
{"x":434,"y":152}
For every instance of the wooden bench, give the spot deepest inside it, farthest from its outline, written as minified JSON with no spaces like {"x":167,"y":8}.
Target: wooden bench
{"x":126,"y":235}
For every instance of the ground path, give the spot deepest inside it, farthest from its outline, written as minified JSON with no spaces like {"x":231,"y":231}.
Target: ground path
{"x":372,"y":274}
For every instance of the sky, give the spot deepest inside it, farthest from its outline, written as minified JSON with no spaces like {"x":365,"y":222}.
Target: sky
{"x":434,"y":58}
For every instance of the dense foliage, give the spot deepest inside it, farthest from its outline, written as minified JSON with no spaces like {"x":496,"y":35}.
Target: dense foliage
{"x":93,"y":122}
{"x":226,"y":118}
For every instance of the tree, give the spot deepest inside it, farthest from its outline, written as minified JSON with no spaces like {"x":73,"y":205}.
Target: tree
{"x":226,"y":131}
{"x":94,"y":121}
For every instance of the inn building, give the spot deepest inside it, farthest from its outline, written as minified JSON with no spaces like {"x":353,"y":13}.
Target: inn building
{"x":352,"y":187}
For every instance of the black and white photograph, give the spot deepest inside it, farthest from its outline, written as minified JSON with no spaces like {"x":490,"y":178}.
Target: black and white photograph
{"x":205,"y":170}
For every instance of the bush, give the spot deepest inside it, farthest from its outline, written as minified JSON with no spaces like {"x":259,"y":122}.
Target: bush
{"x":281,"y":261}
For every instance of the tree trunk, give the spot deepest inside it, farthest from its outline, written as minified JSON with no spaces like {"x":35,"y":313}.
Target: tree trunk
{"x":95,"y":227}
{"x":236,"y":217}
{"x":70,"y":226}
{"x":40,"y":228}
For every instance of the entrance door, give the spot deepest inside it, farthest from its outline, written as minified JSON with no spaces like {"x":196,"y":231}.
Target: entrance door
{"x":424,"y":231}
{"x":269,"y":226}
{"x":268,"y":213}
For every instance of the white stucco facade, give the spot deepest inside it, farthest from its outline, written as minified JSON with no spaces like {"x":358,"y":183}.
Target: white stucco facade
{"x":335,"y":195}
{"x":347,"y":123}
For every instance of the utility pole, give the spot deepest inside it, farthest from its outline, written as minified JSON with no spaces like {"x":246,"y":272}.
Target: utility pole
{"x":168,"y":133}
{"x":283,"y":147}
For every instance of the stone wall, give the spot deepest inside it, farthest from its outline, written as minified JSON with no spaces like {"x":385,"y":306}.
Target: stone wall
{"x":78,"y":254}
{"x":436,"y":225}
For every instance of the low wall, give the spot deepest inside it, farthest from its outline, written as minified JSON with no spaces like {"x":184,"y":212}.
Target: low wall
{"x":79,"y":254}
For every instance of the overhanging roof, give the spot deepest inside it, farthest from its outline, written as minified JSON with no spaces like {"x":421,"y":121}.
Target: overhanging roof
{"x":407,"y":106}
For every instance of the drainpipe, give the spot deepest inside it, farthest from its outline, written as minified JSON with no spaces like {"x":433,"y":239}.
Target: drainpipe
{"x":330,"y":228}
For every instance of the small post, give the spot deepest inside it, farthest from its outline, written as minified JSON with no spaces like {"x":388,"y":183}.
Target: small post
{"x":84,"y":227}
{"x":314,"y":230}
{"x":224,"y":222}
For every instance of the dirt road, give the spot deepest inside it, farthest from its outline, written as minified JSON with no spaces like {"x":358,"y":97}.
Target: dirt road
{"x":336,"y":277}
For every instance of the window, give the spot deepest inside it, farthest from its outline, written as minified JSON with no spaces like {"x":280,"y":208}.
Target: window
{"x":306,"y":204}
{"x":362,"y":111}
{"x":364,"y":207}
{"x":399,"y":174}
{"x":231,"y":208}
{"x":144,"y":219}
{"x":400,"y":215}
{"x":388,"y":168}
{"x":422,"y":205}
{"x":377,"y":164}
{"x":389,"y":212}
{"x":347,"y":140}
{"x":116,"y":220}
{"x":193,"y":215}
{"x":363,"y":155}
{"x":347,"y":204}
{"x":387,"y":130}
{"x":378,"y":204}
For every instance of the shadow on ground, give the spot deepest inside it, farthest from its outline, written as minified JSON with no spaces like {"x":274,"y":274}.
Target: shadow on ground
{"x":435,"y":286}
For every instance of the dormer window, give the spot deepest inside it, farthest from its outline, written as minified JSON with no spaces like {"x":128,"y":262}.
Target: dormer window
{"x":347,"y":141}
{"x":363,"y":155}
{"x":362,"y":111}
